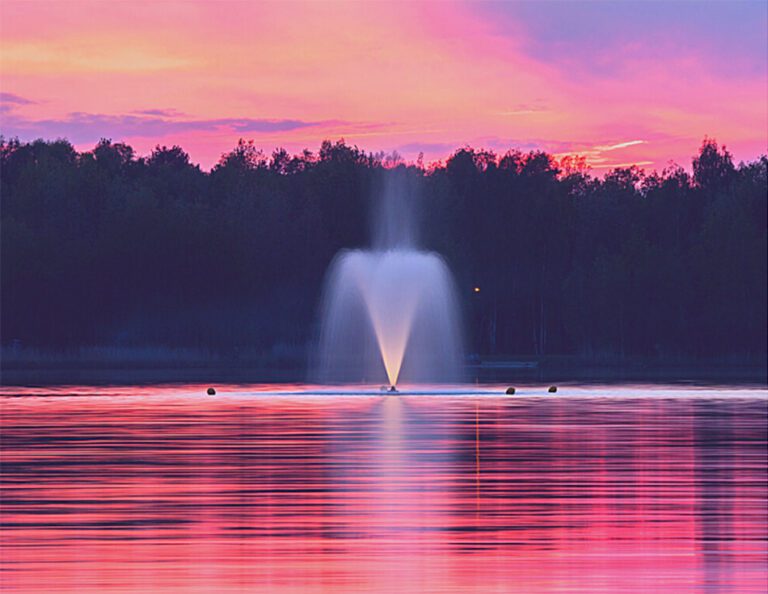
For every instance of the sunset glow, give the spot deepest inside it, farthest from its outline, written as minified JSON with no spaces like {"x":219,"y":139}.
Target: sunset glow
{"x":615,"y":82}
{"x":367,"y":296}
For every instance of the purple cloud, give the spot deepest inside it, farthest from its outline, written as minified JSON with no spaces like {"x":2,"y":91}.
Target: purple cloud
{"x":161,"y":113}
{"x":10,"y":101}
{"x":427,"y":147}
{"x":81,"y":127}
{"x":15,"y":99}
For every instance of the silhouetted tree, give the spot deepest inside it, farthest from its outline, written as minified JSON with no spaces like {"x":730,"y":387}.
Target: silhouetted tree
{"x":713,"y":169}
{"x":104,"y":247}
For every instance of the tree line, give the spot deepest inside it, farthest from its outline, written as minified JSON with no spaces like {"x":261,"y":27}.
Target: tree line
{"x":104,"y":247}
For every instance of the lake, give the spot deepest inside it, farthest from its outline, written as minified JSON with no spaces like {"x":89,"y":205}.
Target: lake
{"x":296,"y":489}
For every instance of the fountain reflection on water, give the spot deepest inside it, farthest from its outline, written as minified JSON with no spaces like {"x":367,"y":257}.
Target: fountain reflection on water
{"x":162,"y":489}
{"x":390,"y":313}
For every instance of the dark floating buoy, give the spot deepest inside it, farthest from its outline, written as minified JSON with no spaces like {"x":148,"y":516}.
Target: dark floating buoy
{"x":552,"y":389}
{"x":211,"y":392}
{"x":510,"y":390}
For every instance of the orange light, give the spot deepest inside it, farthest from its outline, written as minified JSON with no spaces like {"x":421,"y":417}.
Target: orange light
{"x":477,"y":289}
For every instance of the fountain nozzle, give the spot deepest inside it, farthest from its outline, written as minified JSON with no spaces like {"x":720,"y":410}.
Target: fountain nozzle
{"x":392,"y":389}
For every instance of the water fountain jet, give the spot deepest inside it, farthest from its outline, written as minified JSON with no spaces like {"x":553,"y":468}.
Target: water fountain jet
{"x":390,"y":311}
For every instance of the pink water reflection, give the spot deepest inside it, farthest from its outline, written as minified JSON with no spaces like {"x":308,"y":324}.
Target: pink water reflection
{"x":161,"y":489}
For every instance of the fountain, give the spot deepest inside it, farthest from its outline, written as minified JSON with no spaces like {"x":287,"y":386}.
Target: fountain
{"x":390,"y":313}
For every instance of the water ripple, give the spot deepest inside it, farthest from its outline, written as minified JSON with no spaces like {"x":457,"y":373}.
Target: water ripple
{"x":155,"y":489}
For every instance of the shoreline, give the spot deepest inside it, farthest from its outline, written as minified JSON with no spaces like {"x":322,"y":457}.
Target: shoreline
{"x":69,"y":372}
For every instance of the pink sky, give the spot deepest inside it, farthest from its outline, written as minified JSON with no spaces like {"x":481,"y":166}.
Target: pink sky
{"x":631,"y":82}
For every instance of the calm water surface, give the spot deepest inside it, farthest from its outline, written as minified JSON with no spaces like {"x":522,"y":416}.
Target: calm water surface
{"x":594,"y":489}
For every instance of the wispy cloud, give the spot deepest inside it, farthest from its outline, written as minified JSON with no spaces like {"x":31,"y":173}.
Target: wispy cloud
{"x":430,"y":148}
{"x":620,"y":145}
{"x":523,"y":109}
{"x":596,"y":157}
{"x":15,"y":99}
{"x":10,"y":101}
{"x":82,"y":127}
{"x":163,"y":113}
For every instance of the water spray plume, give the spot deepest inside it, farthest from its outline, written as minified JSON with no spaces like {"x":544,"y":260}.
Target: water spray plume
{"x":391,"y":309}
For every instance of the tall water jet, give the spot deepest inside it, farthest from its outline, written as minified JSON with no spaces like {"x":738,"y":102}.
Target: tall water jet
{"x":390,"y":313}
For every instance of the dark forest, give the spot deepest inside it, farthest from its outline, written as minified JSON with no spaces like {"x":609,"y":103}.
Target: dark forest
{"x":107,"y":249}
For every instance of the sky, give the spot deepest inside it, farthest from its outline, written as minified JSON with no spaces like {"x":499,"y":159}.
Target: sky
{"x":621,"y":82}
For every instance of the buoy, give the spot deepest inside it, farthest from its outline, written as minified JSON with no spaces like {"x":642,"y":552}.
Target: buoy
{"x":552,"y":389}
{"x":510,"y":390}
{"x":211,"y":392}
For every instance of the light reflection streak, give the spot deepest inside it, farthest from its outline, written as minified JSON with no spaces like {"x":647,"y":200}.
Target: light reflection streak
{"x":163,"y":489}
